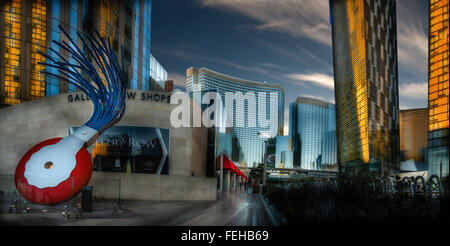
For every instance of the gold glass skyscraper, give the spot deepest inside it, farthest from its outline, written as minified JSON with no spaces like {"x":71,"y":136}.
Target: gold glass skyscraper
{"x":21,"y":38}
{"x":438,"y":94}
{"x":413,"y":134}
{"x":366,"y":85}
{"x":29,"y":27}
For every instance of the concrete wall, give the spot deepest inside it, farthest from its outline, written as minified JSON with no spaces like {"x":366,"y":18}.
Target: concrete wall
{"x":24,"y":125}
{"x":152,"y":187}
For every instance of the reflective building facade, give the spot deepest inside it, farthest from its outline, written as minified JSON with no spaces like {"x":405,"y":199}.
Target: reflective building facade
{"x":365,"y":62}
{"x":294,"y":135}
{"x":229,"y":145}
{"x":438,"y":94}
{"x":413,"y":134}
{"x":328,"y":157}
{"x":158,"y":75}
{"x":29,"y":27}
{"x":252,"y":145}
{"x":313,"y":126}
{"x":284,"y":155}
{"x":23,"y":33}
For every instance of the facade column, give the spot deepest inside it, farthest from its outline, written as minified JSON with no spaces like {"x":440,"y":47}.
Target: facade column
{"x":234,"y":181}
{"x":227,"y":180}
{"x":231,"y":181}
{"x":221,"y":173}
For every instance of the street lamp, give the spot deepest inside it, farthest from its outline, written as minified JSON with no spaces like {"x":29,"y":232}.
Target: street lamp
{"x":266,"y":136}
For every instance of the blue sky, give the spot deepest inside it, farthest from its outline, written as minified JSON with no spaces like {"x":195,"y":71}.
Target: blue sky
{"x":287,"y":42}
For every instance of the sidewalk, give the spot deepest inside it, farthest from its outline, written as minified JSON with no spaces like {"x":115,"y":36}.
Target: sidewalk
{"x":234,"y":208}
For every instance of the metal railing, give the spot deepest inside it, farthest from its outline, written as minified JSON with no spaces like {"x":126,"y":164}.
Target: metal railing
{"x":410,"y":186}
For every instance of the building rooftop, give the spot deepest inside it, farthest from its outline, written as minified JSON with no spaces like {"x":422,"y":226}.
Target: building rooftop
{"x":239,"y":80}
{"x":312,"y":101}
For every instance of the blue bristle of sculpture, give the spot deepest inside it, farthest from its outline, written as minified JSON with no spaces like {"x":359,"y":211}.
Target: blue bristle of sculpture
{"x":98,"y":60}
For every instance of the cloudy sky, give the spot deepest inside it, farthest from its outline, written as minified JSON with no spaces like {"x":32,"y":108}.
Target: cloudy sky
{"x":286,"y":42}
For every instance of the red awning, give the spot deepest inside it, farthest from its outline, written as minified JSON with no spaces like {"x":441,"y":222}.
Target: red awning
{"x":229,"y":165}
{"x":236,"y":169}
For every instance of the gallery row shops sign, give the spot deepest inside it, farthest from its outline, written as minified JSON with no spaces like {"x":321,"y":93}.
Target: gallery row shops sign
{"x":131,"y":95}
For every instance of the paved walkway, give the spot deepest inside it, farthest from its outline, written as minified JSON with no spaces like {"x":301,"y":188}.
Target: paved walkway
{"x":234,"y":208}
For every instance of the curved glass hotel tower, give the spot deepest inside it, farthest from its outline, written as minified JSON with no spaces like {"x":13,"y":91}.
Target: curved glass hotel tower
{"x":30,"y":26}
{"x":252,"y":145}
{"x":366,"y":85}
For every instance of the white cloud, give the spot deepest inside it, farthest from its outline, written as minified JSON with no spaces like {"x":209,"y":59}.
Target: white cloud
{"x":196,"y":57}
{"x":414,"y":90}
{"x":319,"y":79}
{"x":273,"y":66}
{"x":411,"y":30}
{"x":404,"y":107}
{"x":298,"y":18}
{"x":179,"y":52}
{"x":412,"y":46}
{"x":412,"y":50}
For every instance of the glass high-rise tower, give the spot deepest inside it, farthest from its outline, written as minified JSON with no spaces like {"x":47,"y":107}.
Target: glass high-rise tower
{"x":252,"y":145}
{"x":366,"y":85}
{"x":29,"y":27}
{"x":438,"y":73}
{"x":312,"y":130}
{"x":413,"y":134}
{"x":284,"y":154}
{"x":23,"y":34}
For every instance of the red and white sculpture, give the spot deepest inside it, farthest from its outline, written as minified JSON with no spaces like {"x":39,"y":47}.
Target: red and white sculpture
{"x":56,"y":169}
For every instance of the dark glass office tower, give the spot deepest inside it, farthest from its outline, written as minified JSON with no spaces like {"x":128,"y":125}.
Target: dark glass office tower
{"x":366,"y":85}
